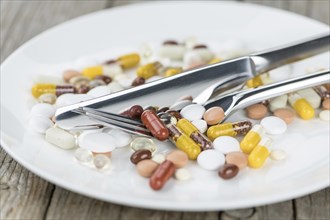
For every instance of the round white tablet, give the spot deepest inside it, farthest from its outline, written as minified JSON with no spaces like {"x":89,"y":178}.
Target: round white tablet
{"x":273,"y":125}
{"x":200,"y":124}
{"x":226,"y":144}
{"x":193,"y":112}
{"x":210,"y":160}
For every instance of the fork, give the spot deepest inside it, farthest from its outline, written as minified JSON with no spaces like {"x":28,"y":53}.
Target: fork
{"x":229,"y":102}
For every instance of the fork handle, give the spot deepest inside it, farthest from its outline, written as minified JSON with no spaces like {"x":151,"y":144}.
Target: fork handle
{"x":252,"y":96}
{"x":273,"y":58}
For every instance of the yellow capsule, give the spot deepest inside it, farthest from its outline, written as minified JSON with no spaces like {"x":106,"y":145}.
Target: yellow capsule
{"x":172,"y":71}
{"x":92,"y":71}
{"x":39,"y":89}
{"x":252,"y":138}
{"x":183,"y":142}
{"x":301,"y":106}
{"x":229,"y":129}
{"x":260,"y":153}
{"x":148,"y":70}
{"x":190,"y":130}
{"x":129,"y":60}
{"x":215,"y":60}
{"x":258,"y":80}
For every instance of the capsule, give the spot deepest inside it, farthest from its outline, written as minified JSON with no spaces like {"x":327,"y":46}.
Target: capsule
{"x":252,"y":138}
{"x":323,"y":92}
{"x":39,"y":89}
{"x":260,"y":153}
{"x":189,"y":129}
{"x":134,"y":112}
{"x":183,"y":142}
{"x":161,"y":175}
{"x":215,"y":60}
{"x":172,"y":71}
{"x":229,"y":129}
{"x":129,"y":60}
{"x":258,"y":80}
{"x":301,"y":106}
{"x":155,"y":125}
{"x":149,"y":70}
{"x":93,"y":72}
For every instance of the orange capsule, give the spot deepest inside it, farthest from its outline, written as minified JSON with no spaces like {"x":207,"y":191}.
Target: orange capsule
{"x":155,"y":125}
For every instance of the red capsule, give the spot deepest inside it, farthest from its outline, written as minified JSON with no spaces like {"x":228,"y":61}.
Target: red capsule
{"x":162,"y":174}
{"x":133,"y":112}
{"x":155,"y":125}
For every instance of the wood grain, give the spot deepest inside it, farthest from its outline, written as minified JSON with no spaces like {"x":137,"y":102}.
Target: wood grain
{"x":26,"y":196}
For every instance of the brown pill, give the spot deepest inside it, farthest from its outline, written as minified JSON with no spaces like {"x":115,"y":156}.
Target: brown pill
{"x":326,"y":103}
{"x":178,"y":158}
{"x":175,"y":114}
{"x":200,"y":46}
{"x":67,"y":75}
{"x":95,"y":83}
{"x":138,"y":81}
{"x":237,"y":158}
{"x":257,"y":111}
{"x":110,"y":62}
{"x":134,"y":112}
{"x":140,"y":155}
{"x":104,"y":78}
{"x":170,"y":42}
{"x":146,"y":167}
{"x":285,"y":114}
{"x":214,"y":115}
{"x":228,"y":171}
{"x":82,"y":89}
{"x":155,"y":125}
{"x":161,"y":175}
{"x":151,"y":108}
{"x":62,"y":89}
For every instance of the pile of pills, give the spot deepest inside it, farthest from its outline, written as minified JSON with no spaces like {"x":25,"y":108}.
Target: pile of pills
{"x":198,"y":134}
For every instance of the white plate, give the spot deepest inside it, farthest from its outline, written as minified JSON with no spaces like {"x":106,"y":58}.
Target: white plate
{"x":307,"y":142}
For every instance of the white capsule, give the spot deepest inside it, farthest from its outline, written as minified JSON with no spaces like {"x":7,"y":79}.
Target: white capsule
{"x":43,"y":110}
{"x":40,"y":124}
{"x":193,"y":112}
{"x":173,"y":52}
{"x":99,"y":91}
{"x":278,"y":154}
{"x":159,"y":158}
{"x":278,"y":102}
{"x":200,"y":124}
{"x":311,"y":97}
{"x":325,"y":115}
{"x":60,"y":138}
{"x":182,"y":174}
{"x":83,"y":155}
{"x":210,"y":159}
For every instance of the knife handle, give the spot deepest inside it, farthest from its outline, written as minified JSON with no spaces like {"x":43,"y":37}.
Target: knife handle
{"x":273,"y":58}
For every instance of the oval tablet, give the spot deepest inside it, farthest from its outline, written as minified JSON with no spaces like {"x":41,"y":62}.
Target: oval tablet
{"x":285,"y":114}
{"x":257,"y":111}
{"x":273,"y":125}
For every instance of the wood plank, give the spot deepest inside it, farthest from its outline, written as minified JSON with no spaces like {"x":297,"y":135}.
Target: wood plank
{"x":320,"y":10}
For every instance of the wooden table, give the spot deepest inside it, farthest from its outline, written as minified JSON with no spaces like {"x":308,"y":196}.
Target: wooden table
{"x":27,"y":196}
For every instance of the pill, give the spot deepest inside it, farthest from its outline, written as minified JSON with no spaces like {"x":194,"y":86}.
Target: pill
{"x":60,"y":138}
{"x":311,"y":97}
{"x":78,"y":81}
{"x":99,"y":91}
{"x":252,"y":138}
{"x":122,"y":139}
{"x":40,"y":124}
{"x":285,"y":114}
{"x":182,"y":174}
{"x":115,"y":86}
{"x":92,"y":71}
{"x":134,"y":111}
{"x":210,"y":160}
{"x":143,"y":143}
{"x":174,"y":113}
{"x":129,"y":60}
{"x":226,"y":144}
{"x":228,"y":171}
{"x":68,"y":74}
{"x":149,"y":70}
{"x":190,"y":130}
{"x":278,"y":102}
{"x":229,"y":129}
{"x":139,"y":155}
{"x":96,"y":141}
{"x":193,"y":112}
{"x":138,"y":81}
{"x":39,"y":89}
{"x":204,"y":52}
{"x":172,"y":71}
{"x":172,"y":51}
{"x":260,"y":153}
{"x":278,"y":154}
{"x":151,"y":108}
{"x":95,"y":83}
{"x":322,"y":91}
{"x":301,"y":106}
{"x":215,"y":60}
{"x":256,"y":111}
{"x":214,"y":115}
{"x":83,"y":156}
{"x":104,"y":78}
{"x":200,"y":124}
{"x":155,"y":125}
{"x":184,"y":142}
{"x":43,"y":110}
{"x":192,"y":59}
{"x":326,"y":103}
{"x":178,"y":158}
{"x":163,"y":109}
{"x":101,"y":162}
{"x":325,"y":115}
{"x":258,"y":80}
{"x":179,"y":105}
{"x":146,"y":167}
{"x":83,"y":89}
{"x":238,"y":158}
{"x":47,"y":98}
{"x":112,"y":69}
{"x":273,"y":125}
{"x":161,"y":175}
{"x":166,"y":118}
{"x":159,"y":158}
{"x":69,"y":99}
